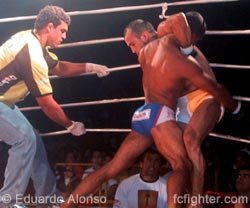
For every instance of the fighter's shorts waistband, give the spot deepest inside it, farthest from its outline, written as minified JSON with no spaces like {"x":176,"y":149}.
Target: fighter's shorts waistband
{"x":195,"y":98}
{"x":192,"y":100}
{"x":150,"y":115}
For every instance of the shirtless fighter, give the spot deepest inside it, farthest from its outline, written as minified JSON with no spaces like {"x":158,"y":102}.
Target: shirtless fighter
{"x":196,"y":106}
{"x":164,"y":64}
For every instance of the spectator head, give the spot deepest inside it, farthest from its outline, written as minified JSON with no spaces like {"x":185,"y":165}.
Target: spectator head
{"x":150,"y":164}
{"x":242,"y":183}
{"x":96,"y":158}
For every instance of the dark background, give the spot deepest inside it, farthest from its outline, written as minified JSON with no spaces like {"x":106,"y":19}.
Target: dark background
{"x":226,"y":49}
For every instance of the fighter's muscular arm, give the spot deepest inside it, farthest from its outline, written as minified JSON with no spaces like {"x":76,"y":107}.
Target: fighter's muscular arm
{"x":176,"y":24}
{"x":190,"y":70}
{"x":204,"y":64}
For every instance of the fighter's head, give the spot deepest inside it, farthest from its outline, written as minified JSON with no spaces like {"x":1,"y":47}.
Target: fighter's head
{"x":138,"y":33}
{"x":197,"y":25}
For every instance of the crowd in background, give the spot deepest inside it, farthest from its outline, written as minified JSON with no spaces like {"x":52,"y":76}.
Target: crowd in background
{"x":72,"y":163}
{"x":222,"y":167}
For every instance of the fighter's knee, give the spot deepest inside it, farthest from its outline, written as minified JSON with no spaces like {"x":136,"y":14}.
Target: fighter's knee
{"x":190,"y":137}
{"x":182,"y":163}
{"x":160,"y":148}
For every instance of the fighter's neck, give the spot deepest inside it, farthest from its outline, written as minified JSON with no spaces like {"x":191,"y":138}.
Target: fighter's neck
{"x":152,"y":38}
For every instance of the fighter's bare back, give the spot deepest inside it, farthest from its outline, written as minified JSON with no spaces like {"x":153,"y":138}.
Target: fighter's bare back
{"x":164,"y":69}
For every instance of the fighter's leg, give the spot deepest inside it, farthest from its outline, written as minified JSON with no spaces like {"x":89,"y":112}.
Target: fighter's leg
{"x":133,"y":145}
{"x":169,"y":141}
{"x":201,"y":123}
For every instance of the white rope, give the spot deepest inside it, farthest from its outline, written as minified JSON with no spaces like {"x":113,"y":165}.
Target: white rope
{"x":116,"y":9}
{"x":130,"y":99}
{"x":222,"y":136}
{"x":98,"y":102}
{"x":227,"y":32}
{"x":118,"y":68}
{"x":118,"y":39}
{"x":228,"y":137}
{"x":133,"y":66}
{"x":215,"y":65}
{"x":247,"y":99}
{"x":13,"y":19}
{"x":56,"y":133}
{"x":108,"y":101}
{"x":148,"y":6}
{"x":119,"y":9}
{"x":199,"y":2}
{"x":91,"y":42}
{"x":229,"y":66}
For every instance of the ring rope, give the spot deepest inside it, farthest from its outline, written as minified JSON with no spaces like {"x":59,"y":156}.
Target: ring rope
{"x":120,"y":9}
{"x":227,"y":32}
{"x":118,"y":39}
{"x":222,"y":136}
{"x":229,"y":66}
{"x":118,"y":68}
{"x":88,"y":103}
{"x":91,"y":42}
{"x":133,"y":66}
{"x":55,"y":133}
{"x":228,"y":137}
{"x":107,"y":101}
{"x":247,"y":99}
{"x":132,"y":99}
{"x":148,"y":6}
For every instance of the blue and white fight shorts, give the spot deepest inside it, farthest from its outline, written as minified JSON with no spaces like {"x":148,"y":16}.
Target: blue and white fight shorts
{"x":150,"y":115}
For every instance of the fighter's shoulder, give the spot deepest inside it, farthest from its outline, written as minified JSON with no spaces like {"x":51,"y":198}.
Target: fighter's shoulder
{"x":168,"y":41}
{"x":149,"y":47}
{"x":162,"y":40}
{"x":168,"y":37}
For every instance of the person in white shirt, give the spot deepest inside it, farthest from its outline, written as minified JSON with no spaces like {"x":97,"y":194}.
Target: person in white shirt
{"x":145,"y":189}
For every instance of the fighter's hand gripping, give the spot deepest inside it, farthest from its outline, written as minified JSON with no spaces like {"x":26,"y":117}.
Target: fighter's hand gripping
{"x":77,"y":128}
{"x":100,"y":70}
